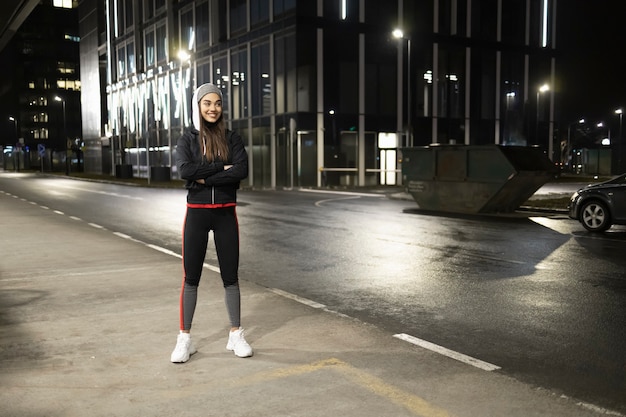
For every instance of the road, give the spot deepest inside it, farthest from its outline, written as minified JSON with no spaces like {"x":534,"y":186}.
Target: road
{"x":538,"y":297}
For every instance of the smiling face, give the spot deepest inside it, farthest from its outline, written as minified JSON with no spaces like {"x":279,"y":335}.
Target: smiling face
{"x":211,"y":107}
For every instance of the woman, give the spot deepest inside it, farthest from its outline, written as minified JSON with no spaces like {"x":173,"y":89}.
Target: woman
{"x":213,"y":161}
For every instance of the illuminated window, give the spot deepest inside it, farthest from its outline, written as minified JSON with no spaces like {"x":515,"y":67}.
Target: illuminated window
{"x":66,"y":67}
{"x":72,"y":38}
{"x":40,"y":133}
{"x":65,"y":84}
{"x":37,"y":101}
{"x":65,"y":4}
{"x":40,"y":117}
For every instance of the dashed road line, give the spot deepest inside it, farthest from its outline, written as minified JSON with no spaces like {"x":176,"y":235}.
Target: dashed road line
{"x":486,"y":366}
{"x":297,"y":298}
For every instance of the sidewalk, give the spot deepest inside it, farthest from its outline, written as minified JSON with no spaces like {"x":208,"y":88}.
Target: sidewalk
{"x":88,"y":320}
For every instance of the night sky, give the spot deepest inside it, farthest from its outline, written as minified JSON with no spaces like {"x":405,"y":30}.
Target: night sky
{"x":591,"y":41}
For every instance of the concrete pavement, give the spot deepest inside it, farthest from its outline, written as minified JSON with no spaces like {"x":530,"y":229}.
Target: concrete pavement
{"x":89,"y":316}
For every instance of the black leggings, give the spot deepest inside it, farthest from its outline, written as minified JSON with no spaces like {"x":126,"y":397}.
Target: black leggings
{"x":198,"y":223}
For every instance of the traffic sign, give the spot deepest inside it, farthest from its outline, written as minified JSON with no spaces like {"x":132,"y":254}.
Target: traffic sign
{"x":41,"y":149}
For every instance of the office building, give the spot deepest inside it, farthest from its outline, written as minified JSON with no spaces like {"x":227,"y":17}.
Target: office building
{"x":40,"y":90}
{"x":324,"y":92}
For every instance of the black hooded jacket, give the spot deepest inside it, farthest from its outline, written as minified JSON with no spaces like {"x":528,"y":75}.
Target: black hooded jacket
{"x":220,"y":187}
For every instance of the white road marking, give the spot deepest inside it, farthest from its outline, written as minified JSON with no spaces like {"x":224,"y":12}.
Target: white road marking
{"x":294,"y":297}
{"x":447,"y":352}
{"x":307,"y":190}
{"x":132,"y":197}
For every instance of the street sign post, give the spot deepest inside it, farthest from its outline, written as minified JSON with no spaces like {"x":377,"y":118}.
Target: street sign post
{"x":41,"y":149}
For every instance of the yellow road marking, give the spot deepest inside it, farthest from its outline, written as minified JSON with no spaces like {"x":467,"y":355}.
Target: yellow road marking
{"x":413,"y":403}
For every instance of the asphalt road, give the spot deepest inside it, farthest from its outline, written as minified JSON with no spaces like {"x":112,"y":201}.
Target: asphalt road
{"x":536,"y":296}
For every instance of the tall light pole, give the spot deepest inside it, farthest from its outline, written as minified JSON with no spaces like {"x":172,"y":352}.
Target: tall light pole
{"x":17,"y":142}
{"x":569,"y":137}
{"x":399,"y":34}
{"x":17,"y":135}
{"x":67,"y":156}
{"x":541,"y":90}
{"x":619,"y":143}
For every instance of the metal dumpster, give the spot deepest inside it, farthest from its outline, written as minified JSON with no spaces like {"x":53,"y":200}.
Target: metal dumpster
{"x":474,"y":179}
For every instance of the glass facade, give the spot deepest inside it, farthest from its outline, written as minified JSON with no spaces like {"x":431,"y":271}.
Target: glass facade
{"x":318,"y":89}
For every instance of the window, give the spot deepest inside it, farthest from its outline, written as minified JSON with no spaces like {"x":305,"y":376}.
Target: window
{"x":65,"y":84}
{"x":259,"y":11}
{"x":130,"y":58}
{"x":148,"y":8}
{"x":261,"y":82}
{"x":150,"y":53}
{"x":66,"y":67}
{"x":484,"y":20}
{"x":40,"y":133}
{"x":129,"y":16}
{"x":283,"y":6}
{"x":187,"y":33}
{"x":37,"y":101}
{"x":239,"y":86}
{"x":72,"y":38}
{"x":121,"y":62}
{"x":161,"y":43}
{"x":65,"y":4}
{"x":203,"y":72}
{"x":123,"y":11}
{"x":40,"y":117}
{"x":513,"y":25}
{"x":220,"y":78}
{"x":238,"y":15}
{"x":202,"y":24}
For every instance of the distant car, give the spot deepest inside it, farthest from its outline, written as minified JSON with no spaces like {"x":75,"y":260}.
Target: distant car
{"x":599,"y":206}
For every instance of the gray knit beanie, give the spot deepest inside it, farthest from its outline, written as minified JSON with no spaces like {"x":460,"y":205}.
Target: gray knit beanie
{"x":200,"y":92}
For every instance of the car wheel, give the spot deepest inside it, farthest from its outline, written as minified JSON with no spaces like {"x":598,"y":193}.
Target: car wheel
{"x":595,"y":217}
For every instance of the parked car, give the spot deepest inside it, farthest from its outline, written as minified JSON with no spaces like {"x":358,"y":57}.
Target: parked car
{"x":599,"y":206}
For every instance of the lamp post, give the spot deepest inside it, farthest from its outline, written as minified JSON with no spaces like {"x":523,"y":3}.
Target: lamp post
{"x":399,"y":34}
{"x":619,"y":143}
{"x":17,"y":142}
{"x":569,"y":137}
{"x":541,"y":90}
{"x":67,"y":156}
{"x":17,"y":135}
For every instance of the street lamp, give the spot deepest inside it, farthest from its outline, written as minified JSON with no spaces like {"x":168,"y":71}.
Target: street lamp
{"x":619,"y":143}
{"x":17,"y":135}
{"x":541,"y":90}
{"x":67,"y":157}
{"x":399,"y":34}
{"x":17,"y":141}
{"x":569,"y":137}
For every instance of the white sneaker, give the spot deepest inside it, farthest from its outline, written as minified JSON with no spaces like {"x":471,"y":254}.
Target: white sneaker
{"x":184,"y":348}
{"x":238,"y":344}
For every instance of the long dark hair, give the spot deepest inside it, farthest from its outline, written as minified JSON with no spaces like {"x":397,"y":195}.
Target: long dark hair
{"x":212,"y":139}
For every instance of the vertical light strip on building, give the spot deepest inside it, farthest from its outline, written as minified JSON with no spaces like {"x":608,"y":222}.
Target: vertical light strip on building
{"x":544,"y":25}
{"x":115,"y":22}
{"x":344,"y":9}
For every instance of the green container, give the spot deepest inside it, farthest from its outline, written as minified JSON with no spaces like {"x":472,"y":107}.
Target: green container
{"x":474,"y":179}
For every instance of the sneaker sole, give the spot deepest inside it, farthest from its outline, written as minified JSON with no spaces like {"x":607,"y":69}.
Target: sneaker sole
{"x":183,"y":361}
